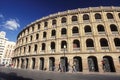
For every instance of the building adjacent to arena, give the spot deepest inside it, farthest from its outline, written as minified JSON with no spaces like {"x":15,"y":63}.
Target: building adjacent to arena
{"x":86,"y":39}
{"x":6,"y":49}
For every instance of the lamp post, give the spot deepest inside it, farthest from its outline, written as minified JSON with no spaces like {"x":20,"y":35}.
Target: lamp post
{"x":64,"y":59}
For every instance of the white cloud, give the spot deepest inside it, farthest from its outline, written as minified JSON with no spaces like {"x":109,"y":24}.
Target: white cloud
{"x":11,"y":24}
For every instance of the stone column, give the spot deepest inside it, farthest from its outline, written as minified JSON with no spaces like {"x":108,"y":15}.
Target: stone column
{"x":85,"y":64}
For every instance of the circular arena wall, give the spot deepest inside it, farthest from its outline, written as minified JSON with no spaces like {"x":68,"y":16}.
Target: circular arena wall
{"x":81,"y":40}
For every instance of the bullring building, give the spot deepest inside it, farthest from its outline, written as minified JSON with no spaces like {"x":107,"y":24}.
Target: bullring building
{"x":83,"y":38}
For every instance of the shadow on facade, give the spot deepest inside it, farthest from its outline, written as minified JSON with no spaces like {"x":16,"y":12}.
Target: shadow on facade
{"x":11,"y":76}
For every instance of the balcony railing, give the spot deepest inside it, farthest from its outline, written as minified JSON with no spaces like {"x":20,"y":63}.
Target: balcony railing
{"x":53,"y":37}
{"x":114,"y":32}
{"x":42,"y":51}
{"x":63,"y":24}
{"x":105,"y":48}
{"x":75,"y":22}
{"x":118,"y":48}
{"x":63,"y":50}
{"x":75,"y":34}
{"x":101,"y":32}
{"x":76,"y":49}
{"x":52,"y":51}
{"x":88,"y":33}
{"x":54,"y":26}
{"x":91,"y":49}
{"x":63,"y":35}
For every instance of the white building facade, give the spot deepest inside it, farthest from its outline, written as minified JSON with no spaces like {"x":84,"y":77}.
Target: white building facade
{"x":6,"y":49}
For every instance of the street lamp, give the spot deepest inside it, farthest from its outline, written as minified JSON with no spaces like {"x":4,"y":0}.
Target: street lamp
{"x":64,"y":67}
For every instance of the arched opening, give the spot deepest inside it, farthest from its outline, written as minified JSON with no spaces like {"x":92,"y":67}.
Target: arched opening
{"x":85,"y":17}
{"x":38,"y":26}
{"x":45,"y":24}
{"x":113,"y":28}
{"x":22,"y":63}
{"x":74,"y":18}
{"x":92,"y":64}
{"x":63,"y":20}
{"x":24,"y":50}
{"x":119,"y":59}
{"x":26,"y":63}
{"x":37,"y":36}
{"x":53,"y":33}
{"x":77,"y":64}
{"x":63,"y":31}
{"x":29,"y":49}
{"x":35,"y":48}
{"x":76,"y":44}
{"x":103,"y":42}
{"x":44,"y":34}
{"x":75,"y":30}
{"x":87,"y":30}
{"x":63,"y":43}
{"x":119,"y":15}
{"x":109,"y":16}
{"x":54,"y":22}
{"x":89,"y":43}
{"x":108,"y":64}
{"x":18,"y":63}
{"x":52,"y":45}
{"x":100,"y":29}
{"x":41,"y":63}
{"x":117,"y":42}
{"x":43,"y":46}
{"x":33,"y":63}
{"x":51,"y":64}
{"x":26,"y":39}
{"x":97,"y":16}
{"x":31,"y":38}
{"x":64,"y":64}
{"x":32,"y":28}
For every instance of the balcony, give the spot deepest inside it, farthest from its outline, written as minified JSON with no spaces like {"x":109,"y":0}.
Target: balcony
{"x":90,"y":49}
{"x":88,"y":33}
{"x":53,"y":37}
{"x":115,"y":32}
{"x":75,"y":34}
{"x":63,"y":35}
{"x":52,"y":51}
{"x":54,"y":26}
{"x":75,"y":22}
{"x":86,"y":21}
{"x":76,"y":49}
{"x":64,"y":24}
{"x":105,"y":49}
{"x":101,"y":33}
{"x":98,"y":20}
{"x":42,"y":51}
{"x":63,"y":50}
{"x":118,"y":48}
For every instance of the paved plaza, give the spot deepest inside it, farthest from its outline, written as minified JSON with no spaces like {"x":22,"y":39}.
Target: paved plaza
{"x":21,"y":74}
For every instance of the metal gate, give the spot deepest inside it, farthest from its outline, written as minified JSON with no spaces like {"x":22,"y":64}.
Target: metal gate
{"x":76,"y":64}
{"x":64,"y":64}
{"x":106,"y":66}
{"x":91,"y":64}
{"x":41,"y":64}
{"x":26,"y":63}
{"x":51,"y":64}
{"x":33,"y":63}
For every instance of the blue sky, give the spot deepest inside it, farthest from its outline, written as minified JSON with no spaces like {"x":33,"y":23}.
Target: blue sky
{"x":16,"y":14}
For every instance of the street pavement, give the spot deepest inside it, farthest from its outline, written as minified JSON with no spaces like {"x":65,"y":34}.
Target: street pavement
{"x":22,"y":74}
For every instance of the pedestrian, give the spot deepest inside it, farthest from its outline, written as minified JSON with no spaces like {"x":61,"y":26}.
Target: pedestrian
{"x":59,"y":67}
{"x":103,"y":65}
{"x":73,"y":68}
